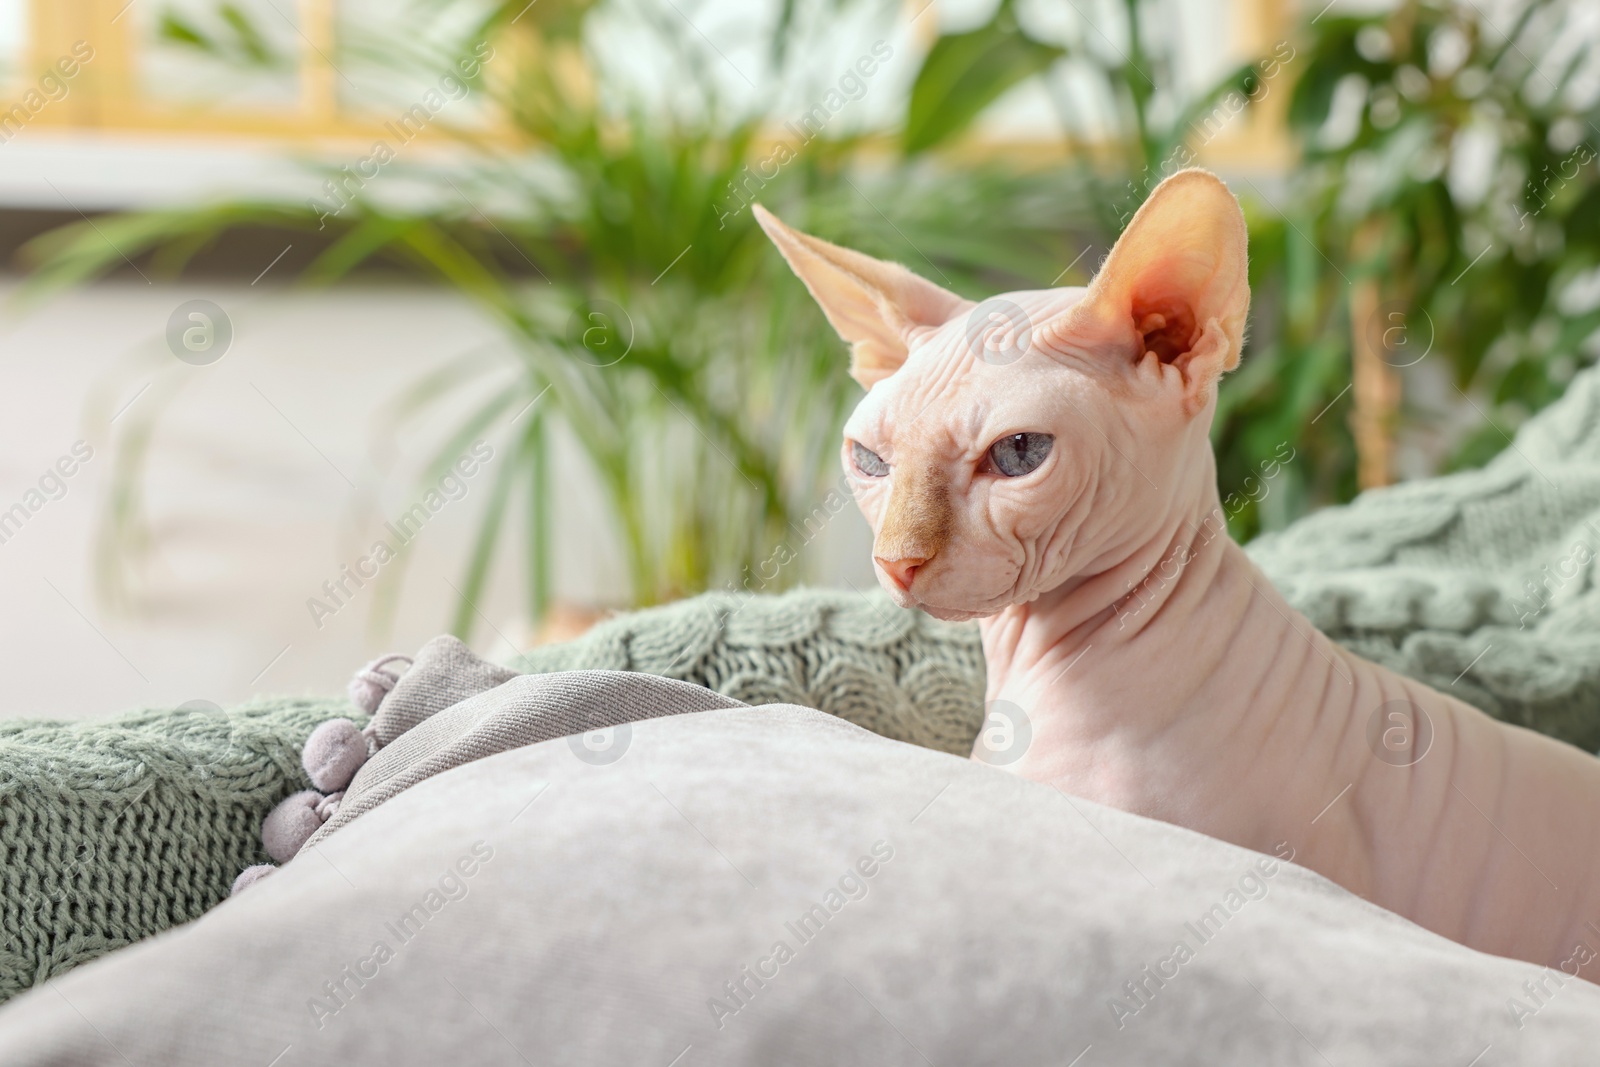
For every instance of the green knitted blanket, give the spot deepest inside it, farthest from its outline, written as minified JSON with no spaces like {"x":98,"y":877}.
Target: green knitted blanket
{"x":1482,"y":583}
{"x":115,"y":830}
{"x":112,"y":831}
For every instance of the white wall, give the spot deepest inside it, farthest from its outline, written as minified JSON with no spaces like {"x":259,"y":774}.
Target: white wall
{"x":250,"y":505}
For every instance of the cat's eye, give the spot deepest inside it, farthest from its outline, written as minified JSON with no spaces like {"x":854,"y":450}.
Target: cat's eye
{"x":867,"y":461}
{"x":1020,"y":453}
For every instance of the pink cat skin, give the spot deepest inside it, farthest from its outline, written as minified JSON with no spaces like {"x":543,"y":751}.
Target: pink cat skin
{"x":1041,"y":463}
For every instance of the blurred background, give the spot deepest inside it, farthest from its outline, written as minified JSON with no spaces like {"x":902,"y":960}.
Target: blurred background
{"x":328,"y":325}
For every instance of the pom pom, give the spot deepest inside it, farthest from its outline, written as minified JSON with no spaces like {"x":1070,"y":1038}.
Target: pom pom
{"x":249,"y":877}
{"x":370,"y":684}
{"x":365,"y":693}
{"x":333,"y":754}
{"x":291,"y":824}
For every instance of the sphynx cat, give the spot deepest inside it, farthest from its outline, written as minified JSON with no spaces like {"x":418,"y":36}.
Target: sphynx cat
{"x":1041,"y":463}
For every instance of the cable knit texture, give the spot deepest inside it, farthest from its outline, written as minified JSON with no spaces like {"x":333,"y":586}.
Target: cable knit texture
{"x":116,"y":830}
{"x":897,"y":673}
{"x":1483,"y":584}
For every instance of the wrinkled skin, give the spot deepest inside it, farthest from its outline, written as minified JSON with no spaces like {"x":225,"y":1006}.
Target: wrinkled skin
{"x":1157,"y":669}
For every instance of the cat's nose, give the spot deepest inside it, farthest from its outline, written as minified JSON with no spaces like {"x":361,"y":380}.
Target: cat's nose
{"x":902,"y":570}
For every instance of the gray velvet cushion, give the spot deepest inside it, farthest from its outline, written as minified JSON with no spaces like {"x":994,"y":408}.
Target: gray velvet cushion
{"x":455,"y":711}
{"x":772,"y":885}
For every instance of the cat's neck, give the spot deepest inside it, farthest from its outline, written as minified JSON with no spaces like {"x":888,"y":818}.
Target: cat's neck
{"x":1139,"y":682}
{"x":1145,"y":600}
{"x":1178,"y":684}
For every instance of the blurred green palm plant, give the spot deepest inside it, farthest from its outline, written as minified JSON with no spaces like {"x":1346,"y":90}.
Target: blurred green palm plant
{"x":1440,"y":237}
{"x":1381,"y":238}
{"x":651,"y":320}
{"x":1463,"y":186}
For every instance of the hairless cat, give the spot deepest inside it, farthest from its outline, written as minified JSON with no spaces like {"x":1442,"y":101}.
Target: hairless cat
{"x":1041,"y":462}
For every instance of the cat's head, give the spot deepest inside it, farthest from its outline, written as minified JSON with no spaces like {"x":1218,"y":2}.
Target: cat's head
{"x":1006,"y":448}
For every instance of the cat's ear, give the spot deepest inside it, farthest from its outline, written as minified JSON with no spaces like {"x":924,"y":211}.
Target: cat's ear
{"x":873,"y":304}
{"x":1175,"y":283}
